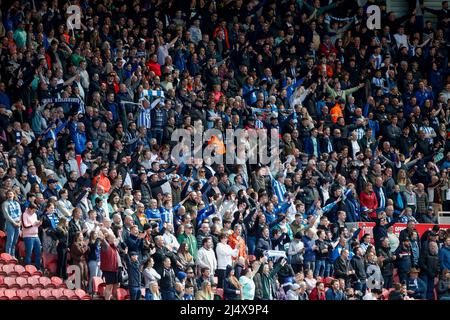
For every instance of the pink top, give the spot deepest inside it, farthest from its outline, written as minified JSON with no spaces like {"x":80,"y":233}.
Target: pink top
{"x":30,"y":224}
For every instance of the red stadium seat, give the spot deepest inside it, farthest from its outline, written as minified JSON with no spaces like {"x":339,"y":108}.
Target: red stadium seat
{"x":11,"y":294}
{"x":101,"y":289}
{"x":7,"y":258}
{"x":96,"y":282}
{"x":69,"y":293}
{"x":328,"y":281}
{"x":22,"y":293}
{"x":19,"y":269}
{"x":57,"y":293}
{"x":45,"y":281}
{"x":11,"y":283}
{"x":33,"y":293}
{"x":23,"y":282}
{"x":80,"y":293}
{"x":45,"y":294}
{"x":32,"y":270}
{"x":122,"y":294}
{"x":33,"y":281}
{"x":8,"y":270}
{"x":57,"y":282}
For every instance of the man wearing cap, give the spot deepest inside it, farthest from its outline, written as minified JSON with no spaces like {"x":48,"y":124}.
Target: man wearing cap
{"x":404,"y":259}
{"x":134,"y":274}
{"x":293,"y":292}
{"x":415,"y":286}
{"x":51,"y":189}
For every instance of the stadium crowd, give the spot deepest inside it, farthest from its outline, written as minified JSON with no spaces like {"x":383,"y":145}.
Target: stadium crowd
{"x":87,"y":114}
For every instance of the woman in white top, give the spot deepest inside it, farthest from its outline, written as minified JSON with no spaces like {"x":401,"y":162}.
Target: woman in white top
{"x":150,"y":274}
{"x":394,"y":242}
{"x":310,"y":281}
{"x":246,"y":280}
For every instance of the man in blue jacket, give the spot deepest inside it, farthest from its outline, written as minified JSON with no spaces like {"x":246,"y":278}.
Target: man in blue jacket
{"x":416,"y":286}
{"x":444,"y":255}
{"x":335,"y":293}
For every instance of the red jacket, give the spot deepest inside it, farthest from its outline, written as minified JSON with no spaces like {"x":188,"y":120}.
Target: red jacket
{"x":369,"y":201}
{"x":155,"y":67}
{"x":109,"y":258}
{"x":314,"y":295}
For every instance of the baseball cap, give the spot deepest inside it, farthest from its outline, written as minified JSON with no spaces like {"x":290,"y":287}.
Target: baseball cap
{"x":295,"y":286}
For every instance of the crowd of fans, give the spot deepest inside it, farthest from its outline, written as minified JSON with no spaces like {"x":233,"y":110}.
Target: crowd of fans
{"x":87,"y":176}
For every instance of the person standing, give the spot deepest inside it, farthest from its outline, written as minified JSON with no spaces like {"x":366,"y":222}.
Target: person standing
{"x":30,"y":234}
{"x":12,"y":213}
{"x":224,"y":258}
{"x":134,"y":275}
{"x":387,"y":259}
{"x":109,"y":264}
{"x":429,"y":264}
{"x":62,"y":236}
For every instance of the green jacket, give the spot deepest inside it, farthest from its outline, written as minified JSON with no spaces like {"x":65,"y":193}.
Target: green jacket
{"x":343,"y":93}
{"x":191,"y":242}
{"x":265,"y":284}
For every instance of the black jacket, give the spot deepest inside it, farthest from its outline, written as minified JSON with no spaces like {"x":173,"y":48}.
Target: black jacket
{"x":387,"y":268}
{"x":358,"y":265}
{"x":341,"y":267}
{"x":429,"y":265}
{"x":167,"y":280}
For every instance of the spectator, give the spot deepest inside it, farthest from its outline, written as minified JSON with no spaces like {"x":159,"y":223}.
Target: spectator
{"x":205,"y":293}
{"x":12,"y":213}
{"x":335,"y":293}
{"x":30,"y":233}
{"x":78,"y":251}
{"x":417,"y":288}
{"x":224,"y":258}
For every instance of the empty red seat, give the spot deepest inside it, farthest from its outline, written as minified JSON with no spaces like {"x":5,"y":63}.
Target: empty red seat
{"x":57,"y":293}
{"x":34,"y":293}
{"x":22,"y":293}
{"x":11,"y":282}
{"x":122,"y":294}
{"x":45,"y":281}
{"x":32,"y":270}
{"x":22,"y":282}
{"x":45,"y":293}
{"x":11,"y":294}
{"x":69,"y":293}
{"x":96,"y":282}
{"x":57,"y":282}
{"x":5,"y":257}
{"x":19,"y":269}
{"x":33,"y":281}
{"x":8,"y":270}
{"x":80,"y":292}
